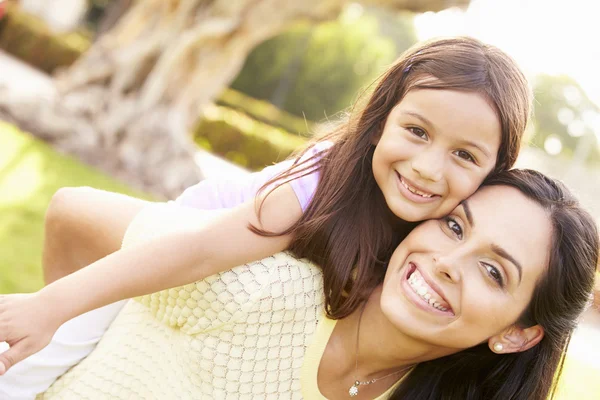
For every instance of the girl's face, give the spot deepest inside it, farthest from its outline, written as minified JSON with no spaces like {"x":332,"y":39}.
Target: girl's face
{"x":436,"y":148}
{"x":457,"y":281}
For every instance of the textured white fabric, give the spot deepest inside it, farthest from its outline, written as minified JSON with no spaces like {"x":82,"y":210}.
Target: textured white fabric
{"x":241,"y":334}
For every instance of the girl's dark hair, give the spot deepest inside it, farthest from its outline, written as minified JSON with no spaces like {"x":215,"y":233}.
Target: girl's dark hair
{"x":348,"y":229}
{"x":558,"y":300}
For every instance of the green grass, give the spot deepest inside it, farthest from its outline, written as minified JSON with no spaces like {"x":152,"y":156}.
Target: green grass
{"x":30,"y":173}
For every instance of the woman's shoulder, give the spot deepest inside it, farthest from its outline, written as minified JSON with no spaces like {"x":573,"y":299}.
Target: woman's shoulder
{"x":266,"y":289}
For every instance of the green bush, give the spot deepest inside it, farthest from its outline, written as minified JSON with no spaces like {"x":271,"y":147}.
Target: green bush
{"x":264,"y":111}
{"x":29,"y":39}
{"x":242,"y":139}
{"x":315,"y":71}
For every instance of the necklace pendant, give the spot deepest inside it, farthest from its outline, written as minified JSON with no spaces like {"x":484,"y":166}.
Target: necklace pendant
{"x":354,"y":389}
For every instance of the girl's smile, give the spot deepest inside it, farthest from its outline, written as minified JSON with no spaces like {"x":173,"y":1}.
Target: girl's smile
{"x":415,"y":193}
{"x":436,"y":148}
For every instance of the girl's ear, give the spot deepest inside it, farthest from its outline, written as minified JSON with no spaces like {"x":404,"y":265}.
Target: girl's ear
{"x":516,"y":339}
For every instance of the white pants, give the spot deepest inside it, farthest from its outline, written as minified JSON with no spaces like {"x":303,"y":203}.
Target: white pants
{"x":73,"y":341}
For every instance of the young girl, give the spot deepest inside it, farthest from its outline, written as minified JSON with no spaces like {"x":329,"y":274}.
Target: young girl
{"x":445,"y":116}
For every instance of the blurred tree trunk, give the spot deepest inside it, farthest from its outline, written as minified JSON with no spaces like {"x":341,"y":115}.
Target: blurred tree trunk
{"x":128,"y":104}
{"x":112,"y":14}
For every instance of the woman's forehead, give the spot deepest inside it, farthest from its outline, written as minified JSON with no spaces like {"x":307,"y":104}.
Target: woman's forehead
{"x":506,"y":217}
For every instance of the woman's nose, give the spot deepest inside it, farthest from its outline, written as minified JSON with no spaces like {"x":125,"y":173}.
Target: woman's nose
{"x":447,"y":266}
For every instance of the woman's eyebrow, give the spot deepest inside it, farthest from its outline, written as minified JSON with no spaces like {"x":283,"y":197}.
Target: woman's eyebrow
{"x":467,"y":210}
{"x":506,"y":255}
{"x":495,"y":248}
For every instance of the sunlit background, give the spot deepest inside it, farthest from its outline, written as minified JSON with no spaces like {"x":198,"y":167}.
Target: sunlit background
{"x":290,"y":85}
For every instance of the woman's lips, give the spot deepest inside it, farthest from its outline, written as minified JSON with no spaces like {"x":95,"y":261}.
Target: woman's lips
{"x":424,"y":293}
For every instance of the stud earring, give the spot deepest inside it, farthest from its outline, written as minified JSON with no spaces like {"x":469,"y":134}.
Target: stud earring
{"x":498,"y":347}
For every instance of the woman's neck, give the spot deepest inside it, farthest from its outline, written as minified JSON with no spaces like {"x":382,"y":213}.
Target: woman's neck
{"x":382,"y":348}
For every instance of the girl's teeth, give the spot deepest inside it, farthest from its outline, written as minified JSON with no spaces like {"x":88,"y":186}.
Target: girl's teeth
{"x":415,"y":191}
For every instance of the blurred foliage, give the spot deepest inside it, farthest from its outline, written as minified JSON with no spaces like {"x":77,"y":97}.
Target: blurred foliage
{"x":264,"y":111}
{"x":96,"y":11}
{"x":316,"y":71}
{"x":563,"y":111}
{"x":242,"y":139}
{"x":28,"y":38}
{"x":30,"y":173}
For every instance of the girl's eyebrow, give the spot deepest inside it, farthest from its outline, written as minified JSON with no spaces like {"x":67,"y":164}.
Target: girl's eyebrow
{"x":495,"y":248}
{"x":432,"y":126}
{"x":478,"y":147}
{"x":421,"y":117}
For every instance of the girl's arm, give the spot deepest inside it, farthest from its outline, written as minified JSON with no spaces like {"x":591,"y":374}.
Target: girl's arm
{"x":27,"y":322}
{"x":84,"y":225}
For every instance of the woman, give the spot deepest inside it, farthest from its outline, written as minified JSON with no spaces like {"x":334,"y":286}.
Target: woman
{"x":480,"y":304}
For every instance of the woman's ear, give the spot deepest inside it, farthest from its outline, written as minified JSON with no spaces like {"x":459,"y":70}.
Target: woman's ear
{"x":516,"y":339}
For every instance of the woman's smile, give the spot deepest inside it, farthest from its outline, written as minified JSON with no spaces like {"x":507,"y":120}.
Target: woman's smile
{"x":423,"y":292}
{"x":456,"y":281}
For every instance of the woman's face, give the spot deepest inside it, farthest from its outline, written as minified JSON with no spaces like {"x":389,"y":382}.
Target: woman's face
{"x":436,"y":148}
{"x":459,"y":280}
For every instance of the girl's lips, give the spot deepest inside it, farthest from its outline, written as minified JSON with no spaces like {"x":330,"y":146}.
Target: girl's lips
{"x":419,"y":301}
{"x":403,"y":185}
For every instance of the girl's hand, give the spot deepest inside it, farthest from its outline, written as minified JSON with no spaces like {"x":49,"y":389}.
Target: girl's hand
{"x":27,"y":325}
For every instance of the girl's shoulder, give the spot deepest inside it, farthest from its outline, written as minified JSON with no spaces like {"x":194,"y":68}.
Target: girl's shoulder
{"x":234,"y":190}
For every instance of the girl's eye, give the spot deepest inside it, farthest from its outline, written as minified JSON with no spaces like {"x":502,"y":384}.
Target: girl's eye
{"x":418,"y":132}
{"x":494,"y":273}
{"x":465,"y":155}
{"x":454,"y":227}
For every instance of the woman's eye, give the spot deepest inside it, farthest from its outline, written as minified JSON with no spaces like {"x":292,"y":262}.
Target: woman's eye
{"x":418,"y":132}
{"x":494,"y":273}
{"x":454,"y":227}
{"x":465,"y":155}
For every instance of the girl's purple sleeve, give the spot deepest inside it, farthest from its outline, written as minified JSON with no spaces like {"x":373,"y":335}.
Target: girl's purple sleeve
{"x":212,"y":194}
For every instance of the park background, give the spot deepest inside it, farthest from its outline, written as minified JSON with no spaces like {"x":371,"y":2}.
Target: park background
{"x":148,"y":97}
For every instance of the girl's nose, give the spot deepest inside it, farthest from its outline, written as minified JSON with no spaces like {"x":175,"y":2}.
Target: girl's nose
{"x":429,"y":164}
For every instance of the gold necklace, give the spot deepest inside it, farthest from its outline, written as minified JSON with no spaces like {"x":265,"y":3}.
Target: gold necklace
{"x":353,"y":391}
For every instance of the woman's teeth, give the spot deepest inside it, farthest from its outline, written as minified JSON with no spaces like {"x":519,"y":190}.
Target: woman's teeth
{"x":421,"y":288}
{"x":415,"y":191}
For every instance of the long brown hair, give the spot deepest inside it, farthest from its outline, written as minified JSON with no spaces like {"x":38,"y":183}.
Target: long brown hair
{"x":558,"y":300}
{"x":347,"y":228}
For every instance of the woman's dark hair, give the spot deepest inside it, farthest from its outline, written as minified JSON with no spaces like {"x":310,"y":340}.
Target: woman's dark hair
{"x":558,"y":300}
{"x":348,"y":229}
